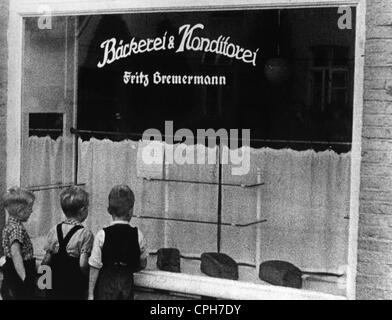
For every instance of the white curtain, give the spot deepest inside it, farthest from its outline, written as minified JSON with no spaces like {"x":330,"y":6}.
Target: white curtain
{"x":192,"y":202}
{"x":43,"y":165}
{"x":305,"y":199}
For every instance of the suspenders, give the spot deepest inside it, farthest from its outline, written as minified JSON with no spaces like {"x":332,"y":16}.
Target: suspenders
{"x":63,"y":242}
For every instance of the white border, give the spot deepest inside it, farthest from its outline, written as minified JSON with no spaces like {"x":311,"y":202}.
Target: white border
{"x":60,"y":7}
{"x":20,"y":8}
{"x":356,"y":152}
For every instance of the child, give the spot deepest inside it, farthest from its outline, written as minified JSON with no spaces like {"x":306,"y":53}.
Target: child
{"x":19,"y":269}
{"x":119,"y":250}
{"x":68,"y":247}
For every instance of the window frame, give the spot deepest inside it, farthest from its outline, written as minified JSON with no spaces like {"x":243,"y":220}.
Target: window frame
{"x":19,"y":9}
{"x":328,"y":72}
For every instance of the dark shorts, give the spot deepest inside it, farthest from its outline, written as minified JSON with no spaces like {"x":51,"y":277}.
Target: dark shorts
{"x":68,"y":282}
{"x":13,"y":288}
{"x":114,"y":283}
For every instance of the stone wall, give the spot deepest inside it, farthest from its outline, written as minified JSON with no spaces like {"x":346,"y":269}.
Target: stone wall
{"x":374,"y":277}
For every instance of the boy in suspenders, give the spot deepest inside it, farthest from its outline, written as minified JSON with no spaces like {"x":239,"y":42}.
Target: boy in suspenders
{"x":68,"y":247}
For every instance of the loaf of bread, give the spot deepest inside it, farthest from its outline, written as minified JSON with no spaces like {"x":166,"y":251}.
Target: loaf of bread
{"x":281,"y":273}
{"x":219,"y":265}
{"x":169,"y":260}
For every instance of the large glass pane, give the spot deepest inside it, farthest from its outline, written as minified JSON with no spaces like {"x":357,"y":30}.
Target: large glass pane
{"x":114,"y":76}
{"x":48,"y":103}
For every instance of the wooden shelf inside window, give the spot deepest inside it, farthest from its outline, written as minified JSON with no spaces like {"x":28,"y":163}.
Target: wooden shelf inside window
{"x":229,"y":224}
{"x":207,"y":183}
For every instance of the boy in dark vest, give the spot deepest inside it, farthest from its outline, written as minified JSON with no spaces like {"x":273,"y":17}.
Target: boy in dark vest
{"x":119,"y":250}
{"x":68,"y":247}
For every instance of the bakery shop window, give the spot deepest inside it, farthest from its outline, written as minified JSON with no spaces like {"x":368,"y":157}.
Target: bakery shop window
{"x":101,"y":81}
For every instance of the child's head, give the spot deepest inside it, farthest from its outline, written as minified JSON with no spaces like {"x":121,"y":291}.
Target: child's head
{"x":19,"y":203}
{"x":74,"y":202}
{"x":121,"y":201}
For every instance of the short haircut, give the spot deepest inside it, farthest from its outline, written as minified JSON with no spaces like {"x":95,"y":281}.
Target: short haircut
{"x":72,"y":200}
{"x":16,"y":199}
{"x":121,"y":200}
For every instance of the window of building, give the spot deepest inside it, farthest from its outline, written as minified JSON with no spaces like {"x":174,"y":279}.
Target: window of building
{"x":296,"y":97}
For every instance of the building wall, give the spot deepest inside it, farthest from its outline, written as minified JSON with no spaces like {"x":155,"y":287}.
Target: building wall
{"x":3,"y":99}
{"x":374,"y":271}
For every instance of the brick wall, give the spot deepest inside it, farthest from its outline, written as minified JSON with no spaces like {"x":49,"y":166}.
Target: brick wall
{"x":374,"y":277}
{"x":3,"y":97}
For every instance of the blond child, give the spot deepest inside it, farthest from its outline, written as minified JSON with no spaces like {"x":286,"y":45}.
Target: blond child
{"x":20,"y":268}
{"x":68,"y":247}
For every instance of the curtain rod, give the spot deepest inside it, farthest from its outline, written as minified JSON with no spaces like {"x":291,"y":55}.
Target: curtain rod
{"x":45,"y":130}
{"x":140,"y":135}
{"x":54,"y":186}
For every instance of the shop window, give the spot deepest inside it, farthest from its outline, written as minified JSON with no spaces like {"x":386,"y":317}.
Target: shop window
{"x":330,"y":85}
{"x":290,"y":205}
{"x":46,"y":124}
{"x":329,"y":76}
